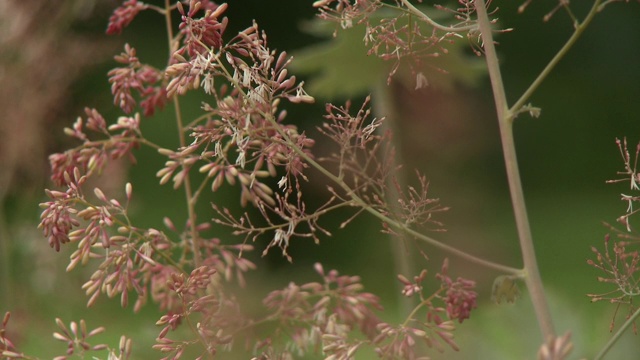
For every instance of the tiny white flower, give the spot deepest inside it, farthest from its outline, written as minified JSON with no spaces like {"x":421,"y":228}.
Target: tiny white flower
{"x":630,"y":200}
{"x":283,"y":182}
{"x":634,"y":183}
{"x":421,"y":81}
{"x":241,"y":160}
{"x":346,"y":23}
{"x":208,"y":83}
{"x":369,"y":129}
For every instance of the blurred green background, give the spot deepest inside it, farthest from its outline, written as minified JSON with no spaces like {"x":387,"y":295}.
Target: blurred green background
{"x":52,"y":69}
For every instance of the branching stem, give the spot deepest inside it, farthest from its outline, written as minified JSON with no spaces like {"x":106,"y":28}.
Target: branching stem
{"x":364,"y":205}
{"x":505,"y":119}
{"x":579,"y":29}
{"x":391,"y":222}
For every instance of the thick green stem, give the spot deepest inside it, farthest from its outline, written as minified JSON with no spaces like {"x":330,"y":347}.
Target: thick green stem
{"x":505,"y":119}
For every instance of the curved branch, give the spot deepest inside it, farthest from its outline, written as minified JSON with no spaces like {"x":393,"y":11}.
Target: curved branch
{"x":579,"y":29}
{"x":433,"y":23}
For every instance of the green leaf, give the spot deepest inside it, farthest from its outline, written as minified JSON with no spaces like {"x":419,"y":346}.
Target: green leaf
{"x":505,"y":287}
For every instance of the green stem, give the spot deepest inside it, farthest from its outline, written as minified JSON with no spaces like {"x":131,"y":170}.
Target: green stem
{"x":579,"y":29}
{"x":505,"y":120}
{"x":195,"y":248}
{"x":617,"y":335}
{"x":432,"y":22}
{"x":424,"y":302}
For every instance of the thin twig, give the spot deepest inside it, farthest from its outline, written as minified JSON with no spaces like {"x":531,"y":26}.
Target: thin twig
{"x":617,"y":335}
{"x":434,"y":23}
{"x":391,"y":222}
{"x":579,"y":29}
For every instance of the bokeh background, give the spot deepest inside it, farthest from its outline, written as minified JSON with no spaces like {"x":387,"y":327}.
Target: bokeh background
{"x":54,"y":57}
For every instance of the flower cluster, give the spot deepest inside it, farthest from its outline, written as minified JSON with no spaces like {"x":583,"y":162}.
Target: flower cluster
{"x":460,"y":296}
{"x":620,"y":259}
{"x":204,"y":33}
{"x":366,"y":161}
{"x":346,"y":12}
{"x":631,"y":175}
{"x":76,"y":339}
{"x":364,"y":171}
{"x":620,"y":269}
{"x":401,"y":39}
{"x":241,"y":139}
{"x":429,"y":323}
{"x":124,"y":15}
{"x":403,"y":341}
{"x":138,"y":77}
{"x":195,"y":296}
{"x":93,"y":155}
{"x":325,"y":314}
{"x":415,"y":287}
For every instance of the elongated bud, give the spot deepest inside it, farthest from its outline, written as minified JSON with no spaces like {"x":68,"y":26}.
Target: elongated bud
{"x":100,"y":195}
{"x":128,"y":189}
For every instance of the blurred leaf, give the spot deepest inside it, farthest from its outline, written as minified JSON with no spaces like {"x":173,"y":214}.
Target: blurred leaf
{"x":505,"y":287}
{"x":340,"y":66}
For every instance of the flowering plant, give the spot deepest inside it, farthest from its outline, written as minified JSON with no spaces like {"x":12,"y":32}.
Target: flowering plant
{"x":243,"y":138}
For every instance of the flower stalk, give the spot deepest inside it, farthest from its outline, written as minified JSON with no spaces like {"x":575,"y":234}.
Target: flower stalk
{"x":505,"y":119}
{"x":191,"y":212}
